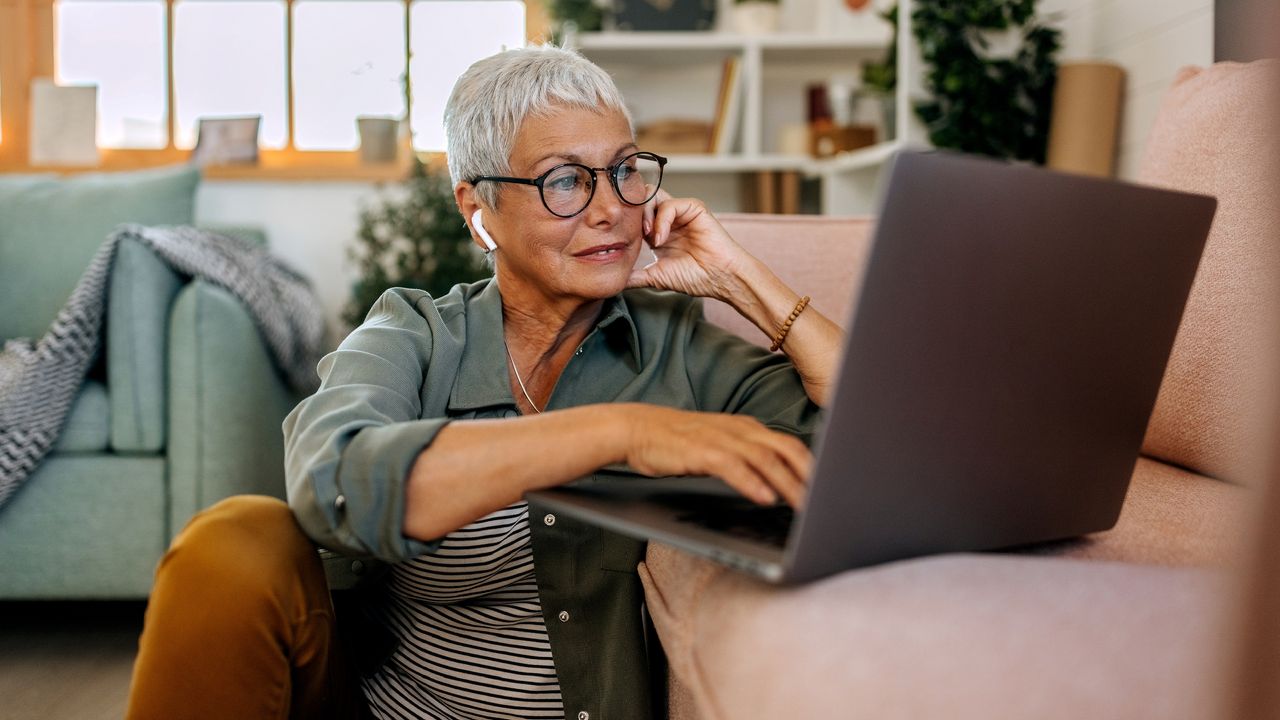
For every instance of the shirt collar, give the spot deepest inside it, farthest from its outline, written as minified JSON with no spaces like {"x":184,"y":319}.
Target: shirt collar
{"x":481,"y":380}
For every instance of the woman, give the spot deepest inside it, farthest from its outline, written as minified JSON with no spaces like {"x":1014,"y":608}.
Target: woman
{"x":435,"y":416}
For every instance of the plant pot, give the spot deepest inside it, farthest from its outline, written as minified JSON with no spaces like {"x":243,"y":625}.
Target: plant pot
{"x":754,"y":17}
{"x":378,"y":139}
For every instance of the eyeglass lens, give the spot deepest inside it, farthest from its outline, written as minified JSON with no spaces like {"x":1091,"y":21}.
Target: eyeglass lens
{"x":568,"y":190}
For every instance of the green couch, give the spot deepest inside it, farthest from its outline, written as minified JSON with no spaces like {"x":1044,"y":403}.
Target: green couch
{"x":182,"y":408}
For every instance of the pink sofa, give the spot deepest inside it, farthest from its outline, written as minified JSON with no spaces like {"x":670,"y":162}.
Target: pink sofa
{"x":1122,"y":624}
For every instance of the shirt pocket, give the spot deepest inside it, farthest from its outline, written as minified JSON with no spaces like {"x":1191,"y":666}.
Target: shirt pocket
{"x":620,"y":553}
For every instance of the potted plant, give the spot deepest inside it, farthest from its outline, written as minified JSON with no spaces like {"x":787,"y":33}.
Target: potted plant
{"x":989,"y":65}
{"x":754,"y":17}
{"x":414,"y":239}
{"x":990,"y":70}
{"x":880,"y":79}
{"x":573,"y":16}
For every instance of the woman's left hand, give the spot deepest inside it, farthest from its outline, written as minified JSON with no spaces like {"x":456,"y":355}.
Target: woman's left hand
{"x":695,"y":254}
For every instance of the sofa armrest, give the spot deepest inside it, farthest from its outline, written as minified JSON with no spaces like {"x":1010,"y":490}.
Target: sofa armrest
{"x":142,"y":289}
{"x":227,"y":401}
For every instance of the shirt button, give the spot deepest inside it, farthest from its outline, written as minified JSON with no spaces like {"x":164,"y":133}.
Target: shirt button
{"x":549,"y":519}
{"x":564,"y":616}
{"x":357,"y":567}
{"x":340,"y":502}
{"x":584,"y":715}
{"x":578,"y":351}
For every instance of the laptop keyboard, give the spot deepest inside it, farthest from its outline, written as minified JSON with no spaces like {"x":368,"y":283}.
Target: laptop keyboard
{"x":769,"y":524}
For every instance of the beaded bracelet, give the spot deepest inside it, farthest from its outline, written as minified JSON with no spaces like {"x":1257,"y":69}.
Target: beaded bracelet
{"x":786,"y":326}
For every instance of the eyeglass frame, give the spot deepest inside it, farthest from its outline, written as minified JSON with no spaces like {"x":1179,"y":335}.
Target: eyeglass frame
{"x":613,"y":180}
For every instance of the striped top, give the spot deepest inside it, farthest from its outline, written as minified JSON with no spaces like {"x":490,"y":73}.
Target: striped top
{"x":473,"y":643}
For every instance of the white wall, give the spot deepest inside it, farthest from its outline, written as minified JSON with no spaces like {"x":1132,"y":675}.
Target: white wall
{"x":1150,"y":39}
{"x":309,"y":224}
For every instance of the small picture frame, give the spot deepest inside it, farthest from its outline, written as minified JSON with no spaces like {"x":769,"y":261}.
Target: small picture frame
{"x":227,"y":141}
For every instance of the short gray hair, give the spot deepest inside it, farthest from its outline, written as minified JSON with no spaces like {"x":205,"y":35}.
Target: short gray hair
{"x":494,"y":96}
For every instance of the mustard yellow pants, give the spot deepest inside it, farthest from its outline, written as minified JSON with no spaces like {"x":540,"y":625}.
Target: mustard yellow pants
{"x":240,"y":624}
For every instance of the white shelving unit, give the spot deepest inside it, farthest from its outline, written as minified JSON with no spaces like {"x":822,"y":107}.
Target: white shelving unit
{"x":676,"y":74}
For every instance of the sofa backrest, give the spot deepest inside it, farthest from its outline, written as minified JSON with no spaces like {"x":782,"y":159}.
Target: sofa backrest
{"x":822,"y":257}
{"x":50,"y":229}
{"x":1216,"y":134}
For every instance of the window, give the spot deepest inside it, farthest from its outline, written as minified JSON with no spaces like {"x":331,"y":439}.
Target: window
{"x":229,"y":59}
{"x":310,"y":68}
{"x":348,"y":61}
{"x":477,"y":28}
{"x":118,"y":45}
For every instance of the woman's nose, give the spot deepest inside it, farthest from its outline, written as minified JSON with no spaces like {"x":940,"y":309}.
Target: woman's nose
{"x":605,"y":201}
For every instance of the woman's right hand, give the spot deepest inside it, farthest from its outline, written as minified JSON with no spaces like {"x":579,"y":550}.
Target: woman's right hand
{"x":758,"y":462}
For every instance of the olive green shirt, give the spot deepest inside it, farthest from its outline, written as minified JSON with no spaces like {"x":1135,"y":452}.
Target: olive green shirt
{"x":417,"y":364}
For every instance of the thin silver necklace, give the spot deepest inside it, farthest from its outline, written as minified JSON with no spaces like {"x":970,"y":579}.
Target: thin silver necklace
{"x":516,"y":370}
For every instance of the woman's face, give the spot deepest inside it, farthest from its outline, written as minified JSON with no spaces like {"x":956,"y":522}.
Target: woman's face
{"x":560,"y":256}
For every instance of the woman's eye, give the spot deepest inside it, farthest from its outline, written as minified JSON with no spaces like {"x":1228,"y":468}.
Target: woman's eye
{"x":564,"y":182}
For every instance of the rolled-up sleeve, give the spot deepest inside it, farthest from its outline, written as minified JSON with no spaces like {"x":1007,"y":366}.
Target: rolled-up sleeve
{"x":350,"y":446}
{"x":729,"y":374}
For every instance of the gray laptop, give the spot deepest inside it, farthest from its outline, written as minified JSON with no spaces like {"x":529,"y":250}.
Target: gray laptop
{"x":1010,"y":336}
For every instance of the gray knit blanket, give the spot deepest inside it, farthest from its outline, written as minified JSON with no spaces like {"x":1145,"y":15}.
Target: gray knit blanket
{"x":39,"y":382}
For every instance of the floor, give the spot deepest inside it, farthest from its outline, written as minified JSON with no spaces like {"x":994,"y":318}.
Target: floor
{"x":67,"y":660}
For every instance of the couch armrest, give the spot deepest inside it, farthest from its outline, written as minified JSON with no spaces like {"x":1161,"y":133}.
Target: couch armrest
{"x":226,"y":404}
{"x":142,"y":289}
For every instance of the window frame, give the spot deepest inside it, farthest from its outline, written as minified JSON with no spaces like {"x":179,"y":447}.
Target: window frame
{"x":27,"y":49}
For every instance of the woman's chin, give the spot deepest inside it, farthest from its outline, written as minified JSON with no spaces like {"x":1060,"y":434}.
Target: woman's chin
{"x":602,"y":280}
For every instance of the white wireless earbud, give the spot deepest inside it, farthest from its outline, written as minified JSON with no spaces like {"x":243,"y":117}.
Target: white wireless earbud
{"x":478,"y":224}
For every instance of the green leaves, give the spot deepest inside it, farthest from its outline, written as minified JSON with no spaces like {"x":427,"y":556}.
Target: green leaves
{"x":416,"y":239}
{"x":883,"y":76}
{"x":998,"y":107}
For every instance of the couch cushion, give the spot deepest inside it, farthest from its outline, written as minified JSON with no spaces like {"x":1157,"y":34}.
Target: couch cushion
{"x":1216,"y":134}
{"x":141,"y":295}
{"x":88,"y":526}
{"x":952,"y":636}
{"x":1170,"y":517}
{"x":88,"y":425}
{"x":52,"y":228}
{"x":822,"y":257}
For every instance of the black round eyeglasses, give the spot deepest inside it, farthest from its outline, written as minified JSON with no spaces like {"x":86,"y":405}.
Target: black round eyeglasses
{"x":567,"y":189}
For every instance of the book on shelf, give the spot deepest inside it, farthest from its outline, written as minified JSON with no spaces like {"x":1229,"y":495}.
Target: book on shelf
{"x":724,"y":128}
{"x":773,"y":192}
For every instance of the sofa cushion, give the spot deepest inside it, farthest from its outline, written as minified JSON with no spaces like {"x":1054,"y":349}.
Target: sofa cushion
{"x":951,"y":636}
{"x":52,"y":228}
{"x":1170,"y":517}
{"x":88,"y":526}
{"x":1216,"y":134}
{"x":88,"y":425}
{"x":141,"y":295}
{"x":822,"y":257}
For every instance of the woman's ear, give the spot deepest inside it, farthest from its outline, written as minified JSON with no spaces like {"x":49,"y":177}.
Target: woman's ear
{"x":477,"y":224}
{"x":464,"y":194}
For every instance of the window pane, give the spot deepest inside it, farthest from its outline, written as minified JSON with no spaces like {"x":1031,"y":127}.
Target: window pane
{"x":228,"y":59}
{"x":445,"y":38}
{"x":130,"y":74}
{"x":348,"y":60}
